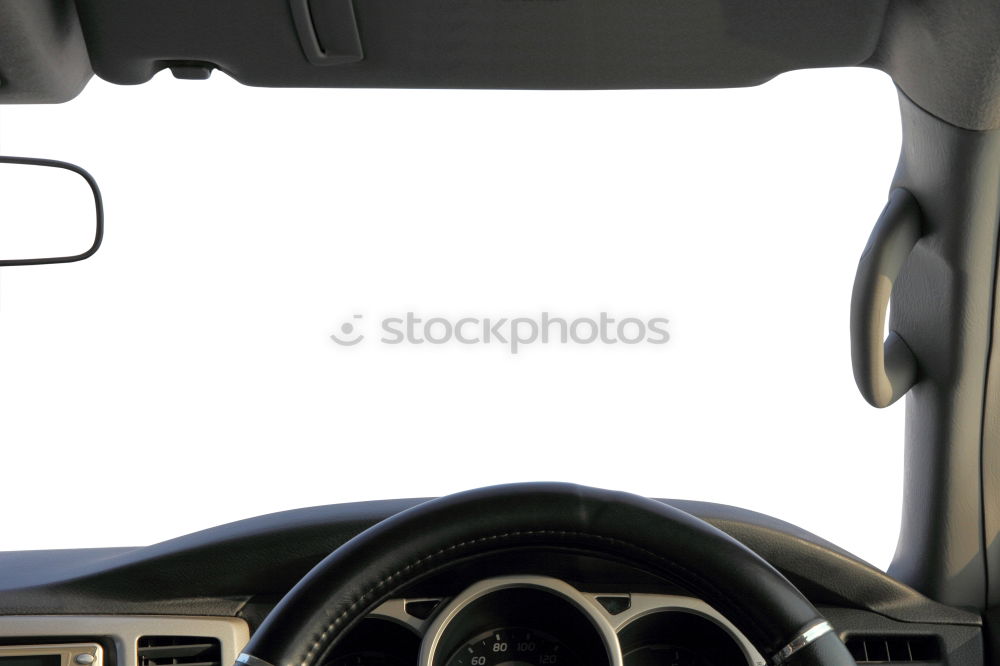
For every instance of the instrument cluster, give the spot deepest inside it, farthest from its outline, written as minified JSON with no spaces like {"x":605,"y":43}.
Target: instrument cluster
{"x":541,"y":621}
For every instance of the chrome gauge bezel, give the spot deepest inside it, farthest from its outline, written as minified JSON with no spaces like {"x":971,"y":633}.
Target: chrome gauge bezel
{"x":443,"y":619}
{"x":608,"y":625}
{"x":644,"y":605}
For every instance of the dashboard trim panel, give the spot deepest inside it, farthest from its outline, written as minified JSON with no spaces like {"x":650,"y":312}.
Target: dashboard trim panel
{"x":233,"y":633}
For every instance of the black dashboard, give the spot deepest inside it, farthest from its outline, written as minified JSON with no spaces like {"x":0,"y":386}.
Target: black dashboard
{"x":531,"y":608}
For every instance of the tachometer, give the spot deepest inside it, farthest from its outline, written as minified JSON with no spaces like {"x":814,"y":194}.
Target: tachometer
{"x":377,"y":642}
{"x":512,"y":647}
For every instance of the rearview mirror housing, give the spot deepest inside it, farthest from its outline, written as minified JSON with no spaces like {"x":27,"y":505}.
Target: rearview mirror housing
{"x":50,"y":212}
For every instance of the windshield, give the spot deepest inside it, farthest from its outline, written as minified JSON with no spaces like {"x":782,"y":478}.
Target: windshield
{"x":313,"y":294}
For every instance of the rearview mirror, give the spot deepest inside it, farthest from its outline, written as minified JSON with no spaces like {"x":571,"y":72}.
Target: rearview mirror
{"x":50,"y":212}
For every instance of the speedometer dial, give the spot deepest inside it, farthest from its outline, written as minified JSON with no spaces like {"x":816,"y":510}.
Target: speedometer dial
{"x":512,"y":647}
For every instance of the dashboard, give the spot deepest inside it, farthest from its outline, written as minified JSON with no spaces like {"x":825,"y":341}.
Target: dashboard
{"x":154,"y":605}
{"x":543,"y":621}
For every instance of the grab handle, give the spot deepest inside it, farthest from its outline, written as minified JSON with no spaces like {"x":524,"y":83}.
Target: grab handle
{"x":883,"y":370}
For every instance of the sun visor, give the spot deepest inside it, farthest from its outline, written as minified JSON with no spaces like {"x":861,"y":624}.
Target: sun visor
{"x":550,"y":44}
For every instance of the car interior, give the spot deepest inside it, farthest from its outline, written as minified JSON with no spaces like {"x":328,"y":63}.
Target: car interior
{"x":543,"y":573}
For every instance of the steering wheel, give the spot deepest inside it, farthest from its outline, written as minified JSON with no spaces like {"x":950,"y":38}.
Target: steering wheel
{"x":650,"y":535}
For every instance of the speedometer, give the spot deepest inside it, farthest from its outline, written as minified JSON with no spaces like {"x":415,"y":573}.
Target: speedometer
{"x":512,"y":647}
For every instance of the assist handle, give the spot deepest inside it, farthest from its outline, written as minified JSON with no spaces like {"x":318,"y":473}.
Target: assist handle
{"x":883,"y":370}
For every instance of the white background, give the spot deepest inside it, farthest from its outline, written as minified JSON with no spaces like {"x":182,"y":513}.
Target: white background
{"x":146,"y":390}
{"x":49,"y":212}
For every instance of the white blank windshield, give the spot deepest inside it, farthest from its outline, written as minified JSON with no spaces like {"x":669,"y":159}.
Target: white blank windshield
{"x":185,"y":376}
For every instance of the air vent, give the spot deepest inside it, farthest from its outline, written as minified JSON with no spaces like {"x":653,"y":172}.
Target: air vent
{"x":893,"y":649}
{"x":174,"y":650}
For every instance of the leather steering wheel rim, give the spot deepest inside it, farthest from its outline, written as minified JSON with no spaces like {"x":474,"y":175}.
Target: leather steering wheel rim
{"x":655,"y":537}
